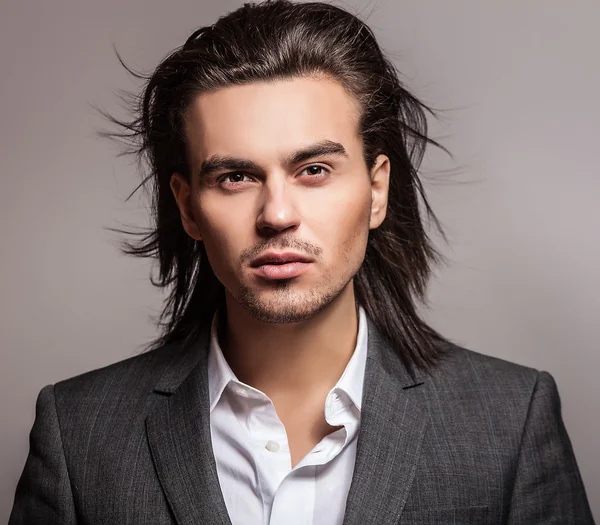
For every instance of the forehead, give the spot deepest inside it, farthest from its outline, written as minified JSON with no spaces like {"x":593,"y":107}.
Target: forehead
{"x":262,"y":120}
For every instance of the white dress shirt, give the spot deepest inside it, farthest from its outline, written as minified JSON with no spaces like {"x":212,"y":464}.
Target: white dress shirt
{"x":251,"y":449}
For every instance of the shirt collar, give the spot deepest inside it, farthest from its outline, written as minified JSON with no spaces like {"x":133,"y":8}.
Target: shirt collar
{"x":219,"y":371}
{"x":351,"y":382}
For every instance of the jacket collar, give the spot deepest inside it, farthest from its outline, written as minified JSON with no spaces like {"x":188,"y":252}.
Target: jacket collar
{"x":389,"y":440}
{"x":179,"y":438}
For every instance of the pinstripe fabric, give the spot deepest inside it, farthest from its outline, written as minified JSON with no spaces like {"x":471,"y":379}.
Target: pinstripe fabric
{"x":479,"y":440}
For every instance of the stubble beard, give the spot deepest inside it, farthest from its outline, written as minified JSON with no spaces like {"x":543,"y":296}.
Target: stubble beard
{"x":285,"y":304}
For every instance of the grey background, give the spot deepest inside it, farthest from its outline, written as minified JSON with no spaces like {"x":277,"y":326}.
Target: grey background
{"x":518,"y":82}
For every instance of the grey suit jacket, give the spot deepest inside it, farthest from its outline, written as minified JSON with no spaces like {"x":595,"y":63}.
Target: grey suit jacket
{"x":479,"y":440}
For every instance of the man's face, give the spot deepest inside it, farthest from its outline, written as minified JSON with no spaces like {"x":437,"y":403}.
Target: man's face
{"x":249,"y":196}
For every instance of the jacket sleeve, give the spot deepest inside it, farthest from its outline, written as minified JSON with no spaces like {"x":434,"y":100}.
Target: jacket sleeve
{"x":548,"y":486}
{"x":43,"y":494}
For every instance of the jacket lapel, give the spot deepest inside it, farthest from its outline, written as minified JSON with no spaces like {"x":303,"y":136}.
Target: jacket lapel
{"x":179,"y":437}
{"x":389,"y":440}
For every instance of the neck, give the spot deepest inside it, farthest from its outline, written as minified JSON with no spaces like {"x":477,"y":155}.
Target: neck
{"x":292,"y":360}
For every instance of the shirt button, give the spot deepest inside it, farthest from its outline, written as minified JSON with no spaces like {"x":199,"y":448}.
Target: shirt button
{"x":272,"y":446}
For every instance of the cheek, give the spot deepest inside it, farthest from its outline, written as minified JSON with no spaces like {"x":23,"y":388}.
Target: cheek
{"x":357,"y":234}
{"x":344,"y":224}
{"x":222,"y":234}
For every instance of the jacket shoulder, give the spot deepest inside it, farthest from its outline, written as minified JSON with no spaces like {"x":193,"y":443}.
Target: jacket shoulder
{"x":475,"y":368}
{"x":131,"y":378}
{"x":478,"y":401}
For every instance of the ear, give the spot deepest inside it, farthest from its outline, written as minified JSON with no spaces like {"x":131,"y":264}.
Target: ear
{"x":380,"y":183}
{"x":182,"y":192}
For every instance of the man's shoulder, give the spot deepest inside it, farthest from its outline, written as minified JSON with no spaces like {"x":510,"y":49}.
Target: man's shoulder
{"x":475,"y":370}
{"x":131,"y":378}
{"x":470,"y":393}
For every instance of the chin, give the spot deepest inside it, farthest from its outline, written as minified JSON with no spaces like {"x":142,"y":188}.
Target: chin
{"x":285,"y":306}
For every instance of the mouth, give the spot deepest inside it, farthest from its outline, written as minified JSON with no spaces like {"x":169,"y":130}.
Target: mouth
{"x":273,"y":266}
{"x":280,"y":259}
{"x":278,"y":271}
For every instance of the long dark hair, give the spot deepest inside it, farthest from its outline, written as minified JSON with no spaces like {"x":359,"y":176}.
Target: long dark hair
{"x":261,"y":42}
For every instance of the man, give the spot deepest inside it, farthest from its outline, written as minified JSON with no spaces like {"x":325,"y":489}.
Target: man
{"x":295,"y":382}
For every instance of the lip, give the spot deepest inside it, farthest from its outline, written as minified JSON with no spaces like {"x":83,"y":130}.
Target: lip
{"x":283,"y":258}
{"x":282,"y":271}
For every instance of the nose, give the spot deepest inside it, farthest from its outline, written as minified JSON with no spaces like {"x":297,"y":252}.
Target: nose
{"x":277,"y":211}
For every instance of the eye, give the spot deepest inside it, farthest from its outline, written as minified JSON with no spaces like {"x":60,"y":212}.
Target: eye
{"x":316,"y":171}
{"x":236,"y":175}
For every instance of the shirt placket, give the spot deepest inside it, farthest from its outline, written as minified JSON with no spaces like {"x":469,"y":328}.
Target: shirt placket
{"x":269,"y":445}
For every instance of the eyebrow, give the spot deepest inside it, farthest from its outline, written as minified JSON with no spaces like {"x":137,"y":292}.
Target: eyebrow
{"x":217,"y":163}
